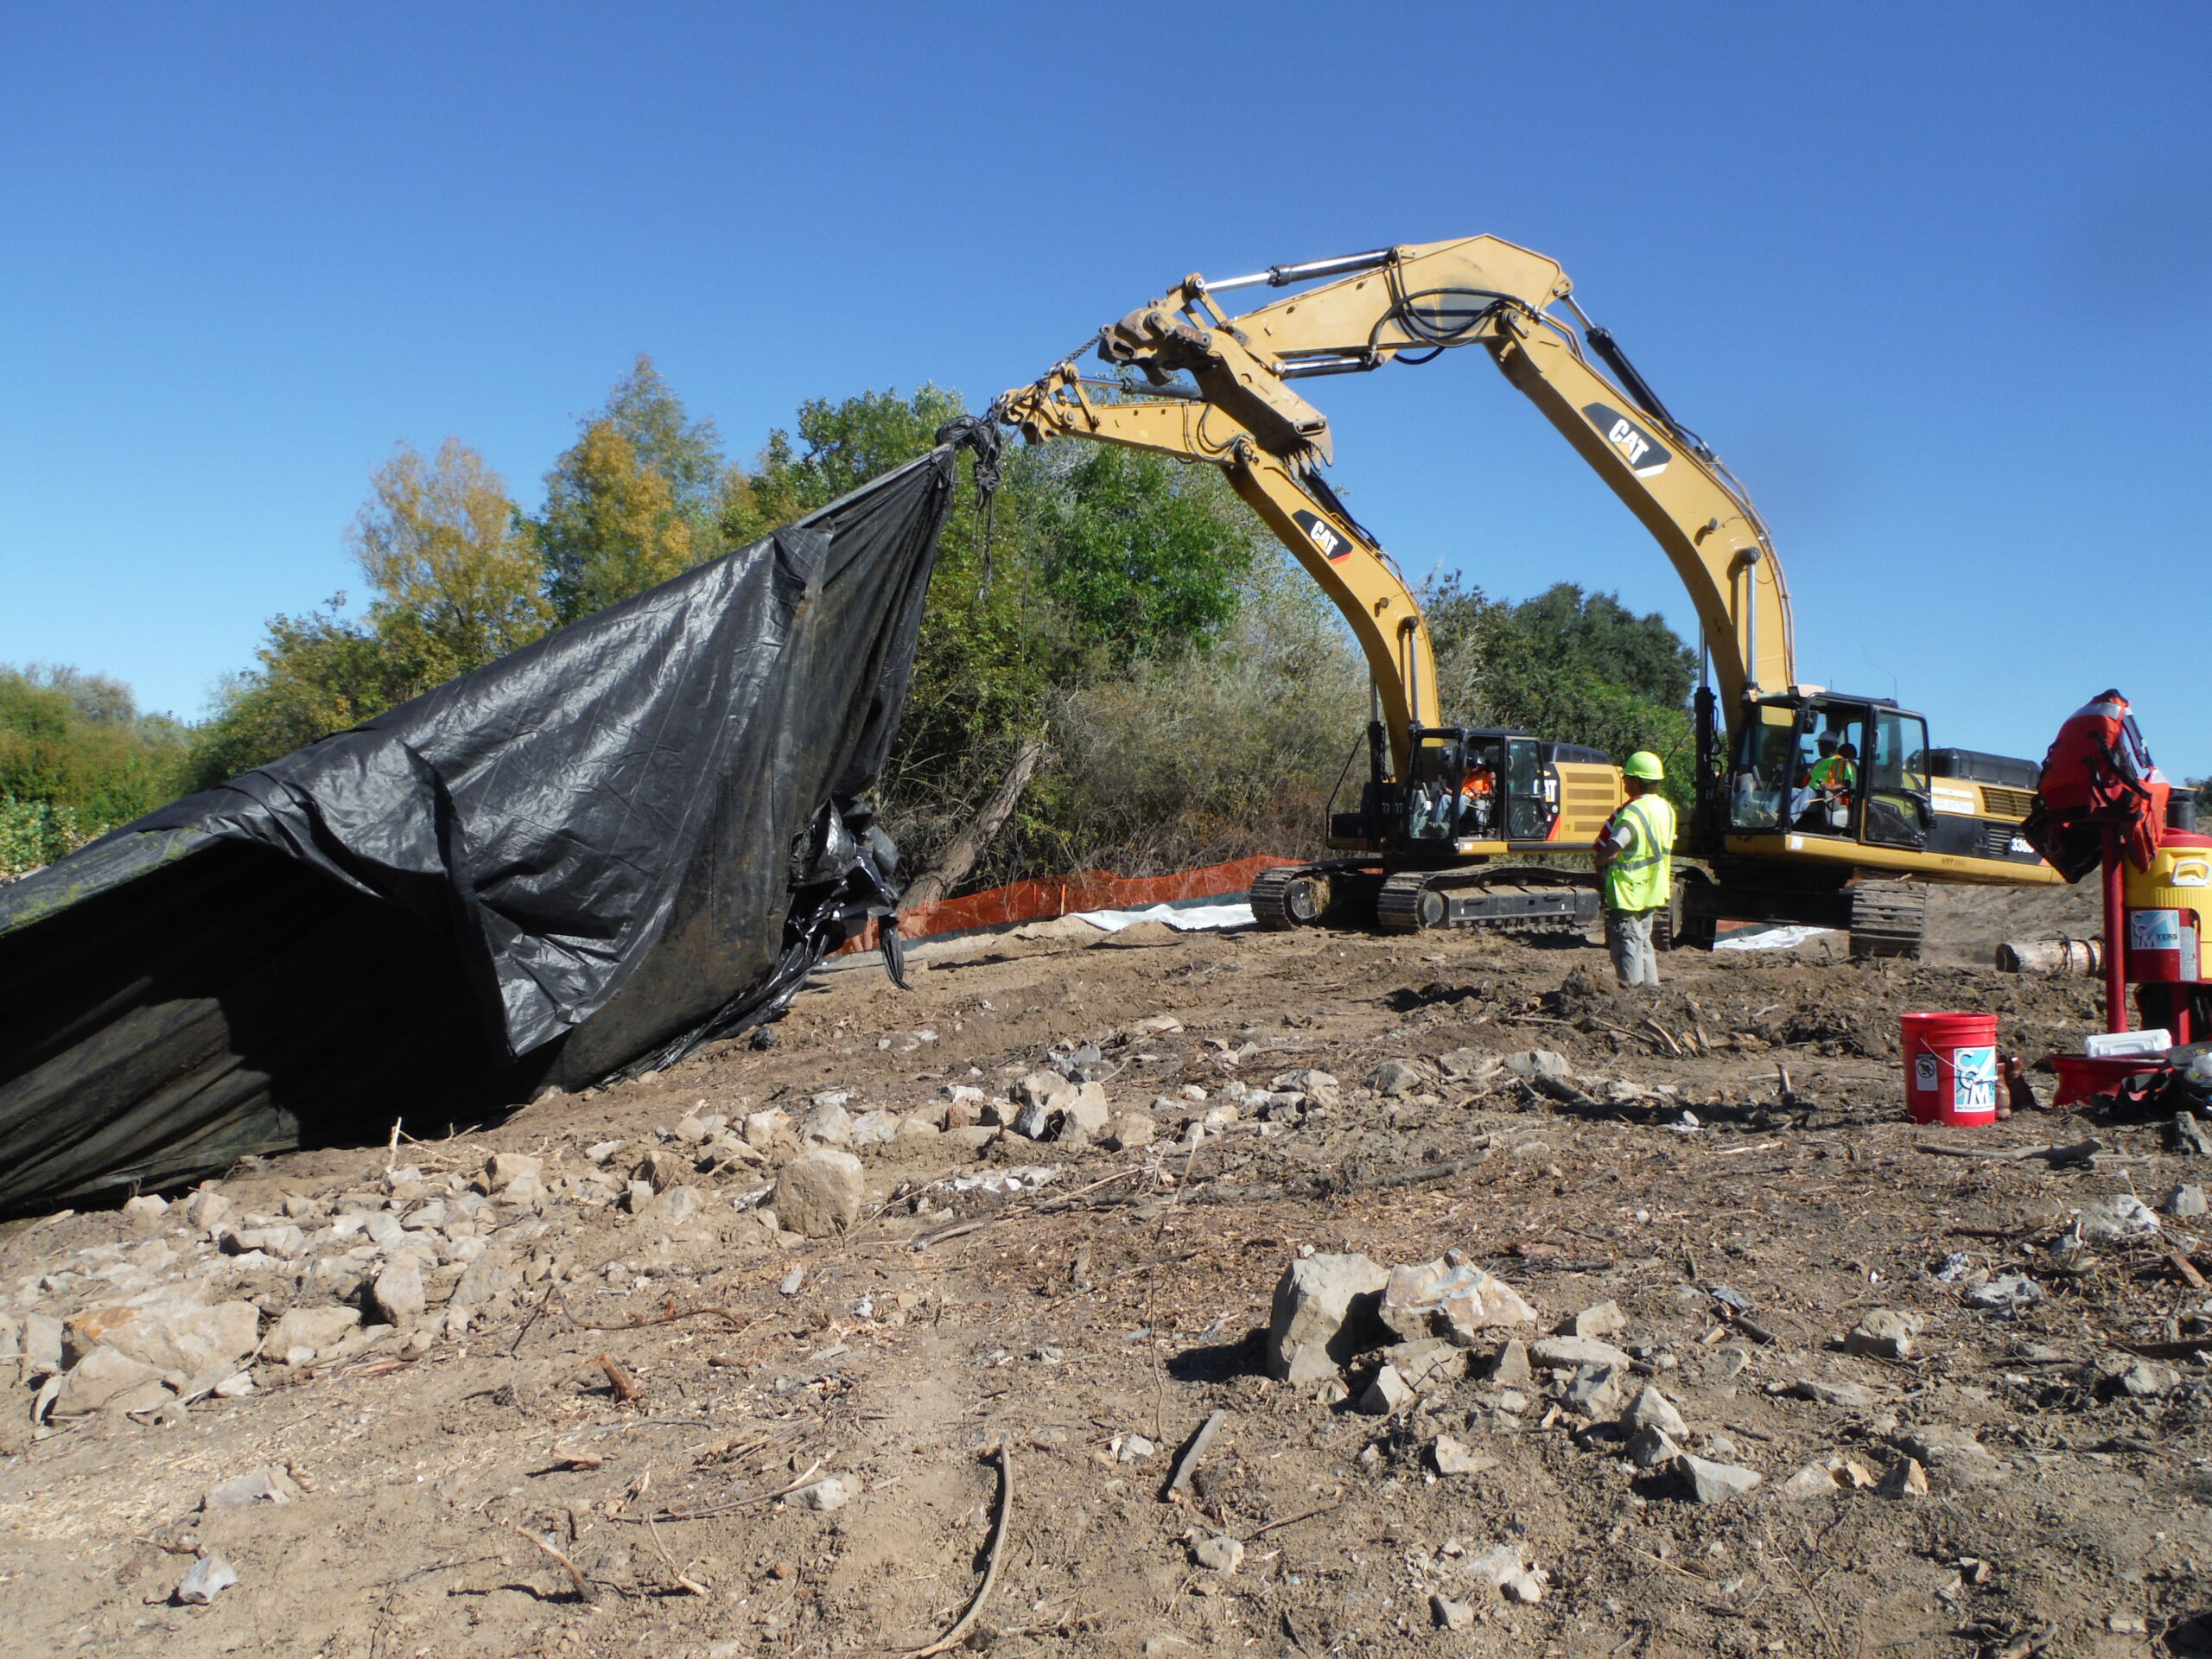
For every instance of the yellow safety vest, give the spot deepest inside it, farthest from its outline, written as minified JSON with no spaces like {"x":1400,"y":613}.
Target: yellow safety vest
{"x":1641,"y":878}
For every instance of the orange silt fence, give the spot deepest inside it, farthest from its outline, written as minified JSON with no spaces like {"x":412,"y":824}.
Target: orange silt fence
{"x":1041,"y":900}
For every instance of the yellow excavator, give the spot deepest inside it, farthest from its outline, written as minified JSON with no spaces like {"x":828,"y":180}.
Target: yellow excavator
{"x":1807,"y":806}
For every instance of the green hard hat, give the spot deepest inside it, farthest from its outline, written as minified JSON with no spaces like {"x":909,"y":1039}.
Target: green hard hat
{"x":1645,"y":765}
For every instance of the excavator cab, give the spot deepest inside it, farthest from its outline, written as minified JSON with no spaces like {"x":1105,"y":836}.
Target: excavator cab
{"x":1470,"y":791}
{"x":1847,"y":769}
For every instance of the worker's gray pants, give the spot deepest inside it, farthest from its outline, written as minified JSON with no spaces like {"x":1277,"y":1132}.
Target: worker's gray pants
{"x":1628,"y":936}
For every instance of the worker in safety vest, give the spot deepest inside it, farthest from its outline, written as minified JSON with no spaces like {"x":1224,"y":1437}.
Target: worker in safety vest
{"x":1835,"y":773}
{"x":1634,"y":851}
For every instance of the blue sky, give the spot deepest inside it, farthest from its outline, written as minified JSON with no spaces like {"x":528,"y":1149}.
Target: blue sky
{"x":1935,"y":280}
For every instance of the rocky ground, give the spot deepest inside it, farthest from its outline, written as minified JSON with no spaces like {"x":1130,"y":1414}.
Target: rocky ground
{"x":1695,"y":1344}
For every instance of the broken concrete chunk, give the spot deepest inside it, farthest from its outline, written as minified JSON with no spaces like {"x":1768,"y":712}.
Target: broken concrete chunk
{"x":1327,"y":1304}
{"x":2186,"y":1202}
{"x":173,"y":1336}
{"x":1714,"y":1483}
{"x":1452,"y":1615}
{"x":874,"y":1130}
{"x":42,"y":1346}
{"x":827,"y":1124}
{"x":1437,"y":1298}
{"x":1886,"y":1334}
{"x":1429,"y":1364}
{"x":207,"y":1208}
{"x":2005,"y":1293}
{"x":1318,"y":1087}
{"x":819,"y":1194}
{"x":398,"y":1291}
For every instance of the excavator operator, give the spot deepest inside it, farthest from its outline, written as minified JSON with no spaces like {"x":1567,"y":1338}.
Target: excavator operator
{"x":1634,"y":851}
{"x":1478,"y":799}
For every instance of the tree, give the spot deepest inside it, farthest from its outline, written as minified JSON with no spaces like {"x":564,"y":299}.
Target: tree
{"x":1640,"y":654}
{"x":458,"y":582}
{"x":320,"y":673}
{"x":76,"y":759}
{"x":635,"y":500}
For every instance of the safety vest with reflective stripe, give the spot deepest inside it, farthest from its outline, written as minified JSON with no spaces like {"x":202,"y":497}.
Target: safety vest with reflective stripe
{"x":1641,"y":877}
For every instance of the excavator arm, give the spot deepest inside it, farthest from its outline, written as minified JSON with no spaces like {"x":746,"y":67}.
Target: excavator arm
{"x":1212,"y":387}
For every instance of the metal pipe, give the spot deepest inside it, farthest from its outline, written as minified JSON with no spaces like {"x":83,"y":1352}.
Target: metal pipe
{"x":2115,"y":933}
{"x":1283,"y":275}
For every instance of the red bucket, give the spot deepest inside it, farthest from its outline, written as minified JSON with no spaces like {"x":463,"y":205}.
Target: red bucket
{"x":1950,"y":1067}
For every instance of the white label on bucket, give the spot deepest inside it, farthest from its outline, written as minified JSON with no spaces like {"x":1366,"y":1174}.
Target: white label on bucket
{"x":2154,"y":929}
{"x":1973,"y":1087}
{"x":1924,"y":1071}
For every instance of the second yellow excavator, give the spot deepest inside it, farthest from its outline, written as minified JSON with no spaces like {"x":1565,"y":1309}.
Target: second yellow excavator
{"x":1808,"y":805}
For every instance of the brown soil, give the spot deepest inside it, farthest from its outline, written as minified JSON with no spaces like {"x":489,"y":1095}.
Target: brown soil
{"x":1116,"y":1300}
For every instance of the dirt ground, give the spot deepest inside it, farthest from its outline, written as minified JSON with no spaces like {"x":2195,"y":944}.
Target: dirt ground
{"x":447,"y":1480}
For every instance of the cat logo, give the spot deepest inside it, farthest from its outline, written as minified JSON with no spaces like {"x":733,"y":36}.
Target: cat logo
{"x":1333,"y":546}
{"x":1642,"y":452}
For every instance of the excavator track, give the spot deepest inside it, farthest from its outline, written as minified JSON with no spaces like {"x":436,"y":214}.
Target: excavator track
{"x":1887,"y":918}
{"x":1292,"y":896}
{"x":1504,"y":901}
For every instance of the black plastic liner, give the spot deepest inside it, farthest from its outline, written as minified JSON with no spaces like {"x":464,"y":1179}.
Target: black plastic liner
{"x":636,"y":834}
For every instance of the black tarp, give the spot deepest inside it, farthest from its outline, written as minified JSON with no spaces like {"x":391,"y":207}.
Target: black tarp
{"x":634,"y":834}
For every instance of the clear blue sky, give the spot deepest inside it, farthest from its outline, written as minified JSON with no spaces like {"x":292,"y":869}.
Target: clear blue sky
{"x":1935,"y":279}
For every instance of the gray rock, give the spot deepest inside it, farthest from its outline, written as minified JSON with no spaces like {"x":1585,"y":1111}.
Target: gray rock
{"x":1395,"y":1078}
{"x":1388,"y":1394}
{"x":2186,"y":1202}
{"x":1129,"y":1132}
{"x":1540,"y":1062}
{"x":874,"y":1130}
{"x":1714,"y":1483}
{"x":1049,"y":1090}
{"x":1318,"y":1087}
{"x":1452,"y":1615}
{"x":1572,"y":1353}
{"x":312,"y":1328}
{"x":1952,"y":1453}
{"x":1814,"y":1480}
{"x":1652,"y":1448}
{"x":146,"y":1214}
{"x":383,"y":1227}
{"x":2006,"y":1293}
{"x":503,"y":1169}
{"x":1220,"y":1553}
{"x":1448,"y":1299}
{"x":42,"y":1346}
{"x":101,"y":1377}
{"x":209,"y":1576}
{"x":399,"y":1293}
{"x":1598,"y":1390}
{"x":2147,"y":1379}
{"x":2118,"y":1220}
{"x":832,"y":1493}
{"x":819,"y":1194}
{"x":1605,"y":1319}
{"x":176,"y":1336}
{"x":1135,"y":1448}
{"x":1327,"y":1304}
{"x":269,"y":1486}
{"x":2191,"y":1134}
{"x":495,"y":1274}
{"x":1088,"y":1109}
{"x":1429,"y":1364}
{"x":1848,"y":1396}
{"x":1905,"y":1478}
{"x":826,"y":1126}
{"x":1451,"y":1457}
{"x":207,"y":1208}
{"x":1510,"y":1367}
{"x":1886,"y":1334}
{"x":675,"y":1207}
{"x":1652,"y":1409}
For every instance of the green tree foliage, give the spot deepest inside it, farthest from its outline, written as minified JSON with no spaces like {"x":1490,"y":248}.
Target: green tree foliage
{"x":320,"y":673}
{"x":76,"y":759}
{"x":635,"y":500}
